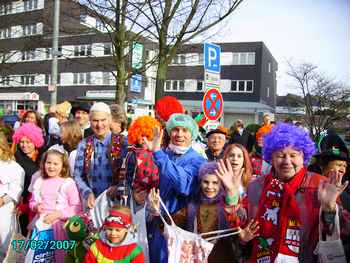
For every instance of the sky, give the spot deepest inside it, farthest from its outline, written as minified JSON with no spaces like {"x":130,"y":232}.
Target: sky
{"x":312,"y":31}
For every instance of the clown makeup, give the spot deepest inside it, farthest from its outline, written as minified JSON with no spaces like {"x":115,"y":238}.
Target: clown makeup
{"x":116,"y":235}
{"x":338,"y":166}
{"x":236,"y":158}
{"x":210,"y":185}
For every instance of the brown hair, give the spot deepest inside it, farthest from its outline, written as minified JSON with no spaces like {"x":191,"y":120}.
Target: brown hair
{"x":118,"y":115}
{"x":65,"y":173}
{"x":38,"y":119}
{"x":5,"y":150}
{"x":247,"y":165}
{"x":74,"y":134}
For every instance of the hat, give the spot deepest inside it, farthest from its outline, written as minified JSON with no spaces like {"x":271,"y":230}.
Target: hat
{"x":332,"y":147}
{"x":166,"y":106}
{"x":219,"y":129}
{"x":101,"y":107}
{"x":82,"y":107}
{"x":183,"y":120}
{"x":117,"y":219}
{"x":63,"y":109}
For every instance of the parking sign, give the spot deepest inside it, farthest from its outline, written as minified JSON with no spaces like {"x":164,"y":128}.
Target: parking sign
{"x":212,"y":57}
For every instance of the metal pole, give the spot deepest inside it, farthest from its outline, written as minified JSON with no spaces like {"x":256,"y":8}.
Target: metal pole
{"x":56,"y":20}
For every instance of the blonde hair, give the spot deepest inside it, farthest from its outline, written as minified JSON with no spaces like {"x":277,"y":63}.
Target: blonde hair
{"x":120,"y":208}
{"x":65,"y":172}
{"x":74,"y":134}
{"x":5,"y":150}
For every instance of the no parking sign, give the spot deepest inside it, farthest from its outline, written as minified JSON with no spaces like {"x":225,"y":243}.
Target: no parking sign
{"x":213,"y":104}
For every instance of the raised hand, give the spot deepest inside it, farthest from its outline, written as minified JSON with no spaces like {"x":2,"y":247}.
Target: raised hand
{"x":154,"y":201}
{"x":229,"y":179}
{"x":155,"y":144}
{"x":250,"y":231}
{"x":330,"y":189}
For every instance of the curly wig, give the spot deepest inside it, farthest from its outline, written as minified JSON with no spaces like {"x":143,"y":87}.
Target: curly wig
{"x":142,"y":127}
{"x":207,"y":168}
{"x":284,"y":135}
{"x":32,"y":132}
{"x":166,"y":106}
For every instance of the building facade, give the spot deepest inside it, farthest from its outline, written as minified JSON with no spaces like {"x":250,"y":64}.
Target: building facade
{"x":87,"y":69}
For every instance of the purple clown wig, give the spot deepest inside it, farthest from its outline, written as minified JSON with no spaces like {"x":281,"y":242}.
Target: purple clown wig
{"x":32,"y":132}
{"x":207,"y":168}
{"x":284,"y":135}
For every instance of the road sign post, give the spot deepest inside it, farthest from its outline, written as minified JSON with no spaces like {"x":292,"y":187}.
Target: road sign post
{"x":213,"y":104}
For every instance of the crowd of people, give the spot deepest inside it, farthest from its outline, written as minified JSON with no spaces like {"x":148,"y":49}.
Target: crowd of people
{"x":285,"y":196}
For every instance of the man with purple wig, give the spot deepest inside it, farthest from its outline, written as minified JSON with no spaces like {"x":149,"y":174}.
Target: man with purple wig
{"x":290,"y":203}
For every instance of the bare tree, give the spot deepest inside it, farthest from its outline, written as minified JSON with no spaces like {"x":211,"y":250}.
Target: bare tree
{"x":326,"y":101}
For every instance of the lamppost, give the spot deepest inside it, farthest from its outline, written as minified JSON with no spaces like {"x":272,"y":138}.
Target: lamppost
{"x":56,"y":20}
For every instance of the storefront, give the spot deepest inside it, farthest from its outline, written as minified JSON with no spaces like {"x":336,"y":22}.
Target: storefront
{"x":14,"y":103}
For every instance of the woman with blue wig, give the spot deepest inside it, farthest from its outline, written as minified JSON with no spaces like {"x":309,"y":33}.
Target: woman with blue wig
{"x":290,"y":203}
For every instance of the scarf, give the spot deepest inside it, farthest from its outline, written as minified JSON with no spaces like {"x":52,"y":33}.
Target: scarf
{"x":178,"y":149}
{"x":279,"y":219}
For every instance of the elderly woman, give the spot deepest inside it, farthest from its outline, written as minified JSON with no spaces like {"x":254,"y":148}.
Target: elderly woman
{"x":29,"y":140}
{"x":285,"y":202}
{"x":11,"y":186}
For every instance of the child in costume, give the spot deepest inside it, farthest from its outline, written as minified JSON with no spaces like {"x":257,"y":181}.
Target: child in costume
{"x":55,"y":196}
{"x":116,"y":242}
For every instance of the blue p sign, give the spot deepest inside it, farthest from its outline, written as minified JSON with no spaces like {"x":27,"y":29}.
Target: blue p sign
{"x":212,"y":57}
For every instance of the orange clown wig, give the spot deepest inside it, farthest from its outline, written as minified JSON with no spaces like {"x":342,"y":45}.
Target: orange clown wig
{"x":142,"y":127}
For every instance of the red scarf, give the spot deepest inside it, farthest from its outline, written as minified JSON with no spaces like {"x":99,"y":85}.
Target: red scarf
{"x":279,"y":219}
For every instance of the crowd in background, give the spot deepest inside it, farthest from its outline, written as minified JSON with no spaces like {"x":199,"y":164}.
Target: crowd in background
{"x":283,"y":192}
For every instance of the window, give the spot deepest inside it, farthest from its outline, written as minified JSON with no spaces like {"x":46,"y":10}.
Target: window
{"x":245,"y":86}
{"x":5,"y":33}
{"x":83,"y":50}
{"x":30,"y":5}
{"x":106,"y":78}
{"x":99,"y":25}
{"x":5,"y":81}
{"x":29,"y":30}
{"x":168,"y":85}
{"x":48,"y":79}
{"x":175,"y":85}
{"x":199,"y":85}
{"x":83,"y":18}
{"x":27,"y":80}
{"x":243,"y":58}
{"x":6,"y":9}
{"x":200,"y":58}
{"x":179,"y":59}
{"x":107,"y":48}
{"x":28,"y":55}
{"x":234,"y":85}
{"x":82,"y":78}
{"x":181,"y":85}
{"x":269,"y":67}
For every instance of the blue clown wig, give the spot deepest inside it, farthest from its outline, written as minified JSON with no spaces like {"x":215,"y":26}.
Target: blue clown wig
{"x":284,"y":135}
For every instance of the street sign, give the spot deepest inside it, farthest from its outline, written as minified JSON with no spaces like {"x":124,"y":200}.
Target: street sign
{"x":213,"y":104}
{"x":212,"y":57}
{"x":137,"y":51}
{"x":136,"y":83}
{"x":212,"y":80}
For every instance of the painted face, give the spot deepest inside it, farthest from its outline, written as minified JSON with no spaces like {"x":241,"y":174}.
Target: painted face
{"x":82,"y":117}
{"x":216,"y":142}
{"x":31,"y":118}
{"x":100,"y":123}
{"x":181,"y":136}
{"x":53,"y":165}
{"x":236,"y":158}
{"x":26,"y":145}
{"x":210,"y":185}
{"x":287,"y":162}
{"x":116,"y":127}
{"x":116,"y":235}
{"x":338,"y":166}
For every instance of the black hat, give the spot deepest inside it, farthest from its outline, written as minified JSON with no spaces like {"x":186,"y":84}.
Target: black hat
{"x":81,"y":106}
{"x":332,"y":147}
{"x":220,"y":129}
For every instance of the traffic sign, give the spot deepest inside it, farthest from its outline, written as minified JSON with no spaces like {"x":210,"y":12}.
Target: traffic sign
{"x":136,"y":83}
{"x":213,"y":104}
{"x":212,"y":57}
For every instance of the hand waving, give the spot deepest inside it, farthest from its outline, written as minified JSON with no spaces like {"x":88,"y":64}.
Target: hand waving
{"x":156,"y":143}
{"x":330,"y":189}
{"x":154,"y":201}
{"x":230,"y":181}
{"x":250,"y":231}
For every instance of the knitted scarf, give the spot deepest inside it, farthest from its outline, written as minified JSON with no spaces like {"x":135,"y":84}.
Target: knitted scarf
{"x":279,"y":219}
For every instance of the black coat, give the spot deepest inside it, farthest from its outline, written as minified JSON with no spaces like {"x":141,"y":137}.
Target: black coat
{"x":246,"y":139}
